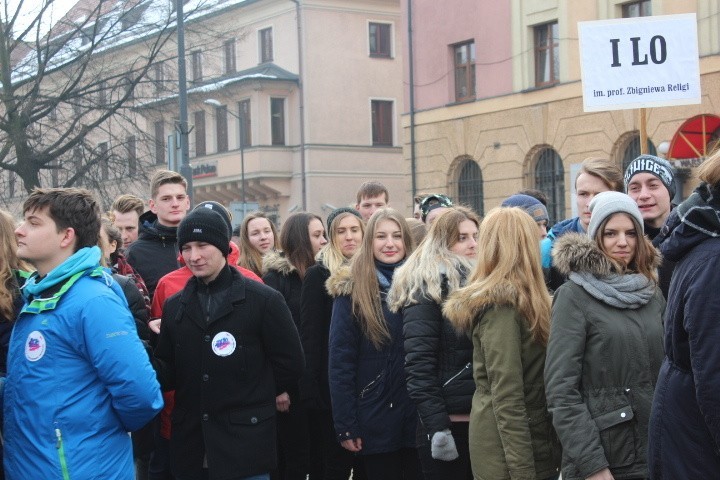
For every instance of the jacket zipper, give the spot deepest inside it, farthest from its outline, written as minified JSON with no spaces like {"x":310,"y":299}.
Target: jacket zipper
{"x":370,"y":385}
{"x":469,"y":364}
{"x":61,"y":453}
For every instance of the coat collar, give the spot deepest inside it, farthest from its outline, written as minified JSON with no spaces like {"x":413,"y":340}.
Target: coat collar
{"x":235,"y":294}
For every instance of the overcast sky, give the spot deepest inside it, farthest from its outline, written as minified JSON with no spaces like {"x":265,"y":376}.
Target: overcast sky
{"x":30,"y":9}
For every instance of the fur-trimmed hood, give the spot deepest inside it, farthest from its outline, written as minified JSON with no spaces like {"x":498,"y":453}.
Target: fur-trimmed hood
{"x":278,"y":262}
{"x":464,"y":305}
{"x":340,"y":283}
{"x":574,"y":252}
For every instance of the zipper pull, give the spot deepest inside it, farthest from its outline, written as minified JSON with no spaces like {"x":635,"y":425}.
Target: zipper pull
{"x":59,"y":438}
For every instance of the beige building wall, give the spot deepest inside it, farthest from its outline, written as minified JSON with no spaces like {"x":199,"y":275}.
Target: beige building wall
{"x":504,"y":134}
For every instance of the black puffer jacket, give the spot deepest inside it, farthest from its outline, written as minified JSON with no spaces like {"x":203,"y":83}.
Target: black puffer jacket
{"x":438,"y":364}
{"x":155,"y":252}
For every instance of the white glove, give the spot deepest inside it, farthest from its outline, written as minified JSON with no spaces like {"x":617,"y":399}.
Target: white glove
{"x":443,"y":446}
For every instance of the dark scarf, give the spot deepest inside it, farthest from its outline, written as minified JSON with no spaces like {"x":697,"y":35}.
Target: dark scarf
{"x":701,"y":212}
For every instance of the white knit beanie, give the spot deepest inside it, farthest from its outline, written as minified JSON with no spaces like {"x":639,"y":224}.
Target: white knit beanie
{"x":606,"y":203}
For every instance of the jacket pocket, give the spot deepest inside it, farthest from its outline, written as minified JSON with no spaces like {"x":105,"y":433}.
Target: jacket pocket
{"x":617,"y":436}
{"x":252,"y":416}
{"x":374,"y":387}
{"x":457,"y":375}
{"x":60,"y":445}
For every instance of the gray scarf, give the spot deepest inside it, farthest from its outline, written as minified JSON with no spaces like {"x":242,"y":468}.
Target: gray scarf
{"x":622,"y":291}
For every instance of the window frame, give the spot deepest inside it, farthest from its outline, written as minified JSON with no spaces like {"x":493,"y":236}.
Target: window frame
{"x":556,"y":193}
{"x":383,"y":42}
{"x":159,"y":77}
{"x":469,"y":70}
{"x":265,"y":45}
{"x":277,"y":127}
{"x":160,"y":151}
{"x":230,"y":57}
{"x":244,"y":116}
{"x":200,"y":133}
{"x":644,"y":9}
{"x":382,"y":129}
{"x":221,"y":129}
{"x":551,"y":49}
{"x":196,"y":64}
{"x":131,"y":149}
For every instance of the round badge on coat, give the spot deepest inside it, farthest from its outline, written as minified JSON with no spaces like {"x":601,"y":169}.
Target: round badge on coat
{"x":35,"y":346}
{"x":223,"y":344}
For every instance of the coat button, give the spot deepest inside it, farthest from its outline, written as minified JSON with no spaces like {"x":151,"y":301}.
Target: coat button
{"x":207,"y":338}
{"x":253,"y":420}
{"x":205,"y":417}
{"x":206,"y":377}
{"x":623,"y":415}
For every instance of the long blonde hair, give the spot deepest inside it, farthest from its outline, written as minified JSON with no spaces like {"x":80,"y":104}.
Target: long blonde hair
{"x":331,"y":255}
{"x":250,"y":257}
{"x":9,"y":262}
{"x":365,"y":293}
{"x":510,"y":253}
{"x":422,"y":273}
{"x":709,"y":171}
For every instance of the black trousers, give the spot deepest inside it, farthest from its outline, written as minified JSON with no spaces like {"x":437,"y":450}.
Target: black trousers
{"x":402,"y":464}
{"x":457,"y":469}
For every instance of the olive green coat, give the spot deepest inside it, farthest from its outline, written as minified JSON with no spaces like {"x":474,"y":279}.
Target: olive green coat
{"x":602,"y":366}
{"x":511,"y":434}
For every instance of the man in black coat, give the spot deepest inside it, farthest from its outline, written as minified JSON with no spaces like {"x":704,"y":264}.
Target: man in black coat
{"x":227,"y":347}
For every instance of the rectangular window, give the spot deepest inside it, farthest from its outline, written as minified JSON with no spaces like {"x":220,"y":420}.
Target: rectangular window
{"x":159,"y":143}
{"x":102,"y":94}
{"x":244,"y":115}
{"x":158,"y":77}
{"x":78,"y":161}
{"x":104,"y":160}
{"x":266,"y":45}
{"x":277,"y":120}
{"x":637,"y":9}
{"x":547,"y":59}
{"x":464,"y":71}
{"x":55,"y":172}
{"x":131,"y":150}
{"x":196,"y":63}
{"x":199,"y":129}
{"x":11,"y":184}
{"x":382,"y":121}
{"x":229,"y":53}
{"x":380,"y":40}
{"x":221,"y":128}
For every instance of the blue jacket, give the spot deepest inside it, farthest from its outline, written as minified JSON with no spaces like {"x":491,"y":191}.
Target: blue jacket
{"x":78,"y":380}
{"x":558,"y":230}
{"x":367,"y":386}
{"x":684,"y":435}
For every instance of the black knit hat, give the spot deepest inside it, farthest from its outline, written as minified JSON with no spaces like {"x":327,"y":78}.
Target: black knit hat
{"x":338,"y":211}
{"x":205,"y":225}
{"x":219,"y":208}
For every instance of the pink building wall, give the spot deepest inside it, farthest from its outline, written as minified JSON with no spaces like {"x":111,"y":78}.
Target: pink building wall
{"x":439,"y":24}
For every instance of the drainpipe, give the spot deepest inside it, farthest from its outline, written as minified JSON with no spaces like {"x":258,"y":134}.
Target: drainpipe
{"x":411,"y":79}
{"x":301,"y":93}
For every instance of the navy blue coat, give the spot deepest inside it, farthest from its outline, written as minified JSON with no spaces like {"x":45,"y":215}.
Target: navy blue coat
{"x":367,"y":386}
{"x":684,"y":437}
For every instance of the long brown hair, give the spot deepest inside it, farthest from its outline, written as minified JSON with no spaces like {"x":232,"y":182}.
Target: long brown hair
{"x":250,"y":257}
{"x":9,"y":262}
{"x":510,"y":254}
{"x":366,"y":303}
{"x":295,"y":241}
{"x":644,"y":260}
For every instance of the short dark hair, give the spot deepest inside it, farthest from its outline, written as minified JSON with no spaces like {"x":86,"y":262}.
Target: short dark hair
{"x":371,"y":190}
{"x":127,"y":203}
{"x":74,"y":208}
{"x":295,"y":240}
{"x":163,"y":177}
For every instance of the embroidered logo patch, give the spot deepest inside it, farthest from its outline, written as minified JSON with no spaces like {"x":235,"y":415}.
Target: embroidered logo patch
{"x":223,"y":344}
{"x":35,"y":346}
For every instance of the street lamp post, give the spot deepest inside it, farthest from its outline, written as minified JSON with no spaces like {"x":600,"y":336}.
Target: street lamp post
{"x":241,"y":125}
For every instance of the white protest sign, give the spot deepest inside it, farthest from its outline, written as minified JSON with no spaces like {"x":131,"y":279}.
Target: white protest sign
{"x":639,"y":62}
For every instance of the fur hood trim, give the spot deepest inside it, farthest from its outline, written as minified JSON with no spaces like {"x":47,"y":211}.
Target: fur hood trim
{"x":340,"y":283}
{"x":278,"y":262}
{"x":464,"y":305}
{"x":578,"y":253}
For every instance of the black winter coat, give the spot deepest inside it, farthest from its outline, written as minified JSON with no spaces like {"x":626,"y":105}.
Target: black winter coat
{"x":155,"y":252}
{"x":137,"y":306}
{"x":315,"y":315}
{"x":685,"y":423}
{"x":226,"y":370}
{"x":438,"y":364}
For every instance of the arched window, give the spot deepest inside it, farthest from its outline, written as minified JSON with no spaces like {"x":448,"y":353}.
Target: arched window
{"x":470,"y":186}
{"x":632,"y":151}
{"x":550,"y":179}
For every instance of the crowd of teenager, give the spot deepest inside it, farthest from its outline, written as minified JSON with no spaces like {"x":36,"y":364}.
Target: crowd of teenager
{"x":441,"y":346}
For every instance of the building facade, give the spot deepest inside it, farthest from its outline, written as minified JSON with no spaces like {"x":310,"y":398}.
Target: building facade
{"x":498,"y":101}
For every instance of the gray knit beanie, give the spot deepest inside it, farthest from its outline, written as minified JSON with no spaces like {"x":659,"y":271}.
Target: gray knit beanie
{"x":607,"y":203}
{"x":657,"y":166}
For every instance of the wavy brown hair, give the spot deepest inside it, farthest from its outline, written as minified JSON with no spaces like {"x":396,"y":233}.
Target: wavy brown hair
{"x":250,"y":257}
{"x":295,"y":241}
{"x":510,"y":253}
{"x":9,"y":262}
{"x":366,"y":302}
